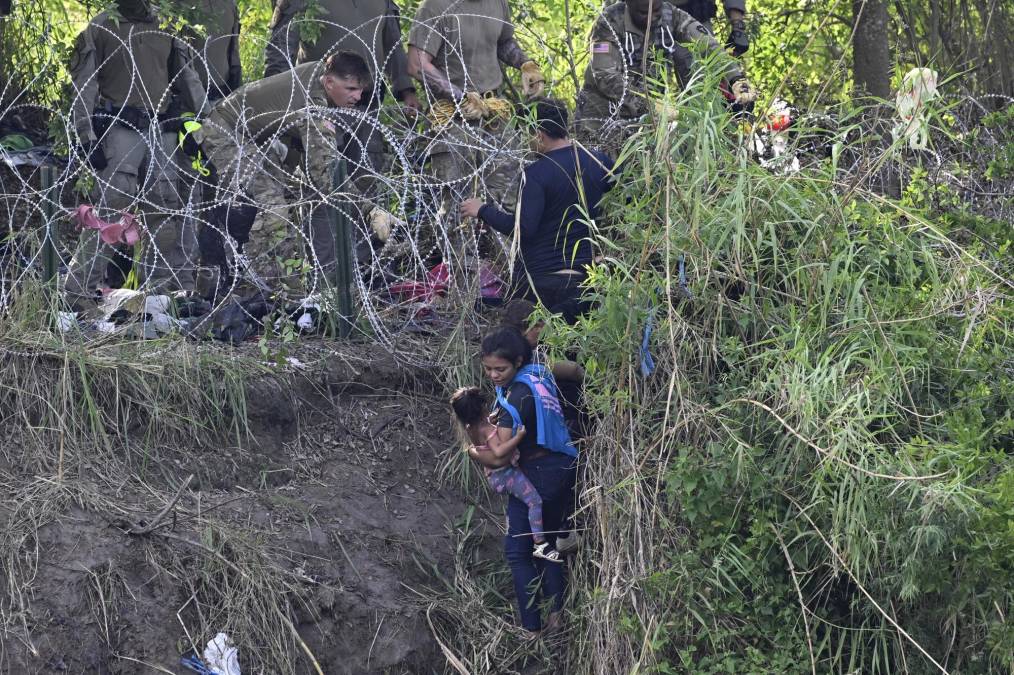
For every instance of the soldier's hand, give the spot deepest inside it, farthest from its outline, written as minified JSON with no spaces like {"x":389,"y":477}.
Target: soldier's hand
{"x":533,"y":83}
{"x":473,"y":107}
{"x":411,"y":101}
{"x":739,"y":39}
{"x":742,"y":91}
{"x":93,"y":155}
{"x":382,"y":222}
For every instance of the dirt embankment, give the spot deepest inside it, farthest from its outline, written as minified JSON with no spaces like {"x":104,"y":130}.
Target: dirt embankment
{"x":309,"y":542}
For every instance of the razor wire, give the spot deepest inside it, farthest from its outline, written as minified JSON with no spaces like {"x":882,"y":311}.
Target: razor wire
{"x":397,"y":283}
{"x":169,"y":190}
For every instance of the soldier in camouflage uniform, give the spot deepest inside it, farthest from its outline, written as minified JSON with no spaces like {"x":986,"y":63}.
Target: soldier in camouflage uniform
{"x":369,"y":28}
{"x":125,"y":71}
{"x":216,"y":50}
{"x":735,"y":10}
{"x":612,"y":100}
{"x":455,"y":50}
{"x":247,"y":136}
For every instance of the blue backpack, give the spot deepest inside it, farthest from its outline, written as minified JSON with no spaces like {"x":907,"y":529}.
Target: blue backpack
{"x":552,"y":430}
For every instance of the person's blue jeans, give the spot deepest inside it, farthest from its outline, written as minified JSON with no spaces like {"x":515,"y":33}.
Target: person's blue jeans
{"x":553,"y":477}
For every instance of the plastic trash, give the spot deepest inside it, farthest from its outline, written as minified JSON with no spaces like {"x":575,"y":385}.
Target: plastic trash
{"x":221,"y":656}
{"x":66,"y":321}
{"x":918,"y":87}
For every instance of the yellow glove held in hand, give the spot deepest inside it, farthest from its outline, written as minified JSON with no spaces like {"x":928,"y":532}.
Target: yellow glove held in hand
{"x":533,"y":83}
{"x":383,"y":222}
{"x":743,"y":92}
{"x":473,"y":107}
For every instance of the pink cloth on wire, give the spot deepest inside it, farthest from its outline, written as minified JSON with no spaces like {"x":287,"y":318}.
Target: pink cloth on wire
{"x":123,"y":231}
{"x":437,"y":281}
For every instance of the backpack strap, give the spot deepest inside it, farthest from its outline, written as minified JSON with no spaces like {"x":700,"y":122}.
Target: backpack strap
{"x":501,"y":400}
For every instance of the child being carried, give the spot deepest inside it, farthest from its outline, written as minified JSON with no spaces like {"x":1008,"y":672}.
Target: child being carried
{"x":499,"y":459}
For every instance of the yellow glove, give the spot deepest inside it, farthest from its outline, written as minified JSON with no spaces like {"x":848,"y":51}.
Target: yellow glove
{"x":743,"y":92}
{"x":473,"y":107}
{"x":533,"y":83}
{"x":382,"y":222}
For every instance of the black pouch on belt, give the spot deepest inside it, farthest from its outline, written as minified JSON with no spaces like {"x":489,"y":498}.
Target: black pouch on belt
{"x":132,"y":117}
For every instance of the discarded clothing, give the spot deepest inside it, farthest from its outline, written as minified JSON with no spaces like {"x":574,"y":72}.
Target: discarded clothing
{"x":437,"y":281}
{"x":39,"y":155}
{"x":16,"y":143}
{"x":123,"y":231}
{"x":238,"y":320}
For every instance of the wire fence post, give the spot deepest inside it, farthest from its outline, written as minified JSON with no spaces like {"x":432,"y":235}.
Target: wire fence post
{"x":50,"y":261}
{"x":342,"y":230}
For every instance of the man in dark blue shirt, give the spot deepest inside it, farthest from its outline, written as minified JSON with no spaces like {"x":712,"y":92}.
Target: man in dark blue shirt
{"x":560,"y":195}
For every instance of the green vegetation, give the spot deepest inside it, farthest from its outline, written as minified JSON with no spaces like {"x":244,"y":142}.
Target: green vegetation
{"x":817,"y":477}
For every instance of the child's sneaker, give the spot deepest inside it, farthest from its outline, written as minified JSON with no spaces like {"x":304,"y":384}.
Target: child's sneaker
{"x":547,"y":552}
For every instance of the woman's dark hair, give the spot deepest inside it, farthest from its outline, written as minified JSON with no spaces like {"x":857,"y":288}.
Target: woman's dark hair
{"x":469,"y":405}
{"x":506,"y":342}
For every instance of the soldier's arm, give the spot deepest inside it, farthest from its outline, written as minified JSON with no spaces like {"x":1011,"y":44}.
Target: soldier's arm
{"x":507,"y":48}
{"x":185,"y":80}
{"x":607,"y":69}
{"x":688,"y":29}
{"x":425,"y":41}
{"x":234,"y":78}
{"x":397,"y":60}
{"x":283,"y":44}
{"x":84,"y":76}
{"x":421,"y":67}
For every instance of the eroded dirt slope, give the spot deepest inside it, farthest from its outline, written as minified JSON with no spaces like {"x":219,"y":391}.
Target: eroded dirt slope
{"x":333,"y":506}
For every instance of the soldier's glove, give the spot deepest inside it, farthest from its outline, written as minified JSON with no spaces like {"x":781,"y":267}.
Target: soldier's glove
{"x":739,"y":39}
{"x":382,"y":222}
{"x":742,"y":91}
{"x":473,"y":107}
{"x":93,"y":155}
{"x":533,"y":83}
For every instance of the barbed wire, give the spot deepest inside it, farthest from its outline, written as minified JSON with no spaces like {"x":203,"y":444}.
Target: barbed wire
{"x":201,"y":225}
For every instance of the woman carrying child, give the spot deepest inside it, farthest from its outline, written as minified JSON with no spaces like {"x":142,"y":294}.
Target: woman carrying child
{"x":527,"y":399}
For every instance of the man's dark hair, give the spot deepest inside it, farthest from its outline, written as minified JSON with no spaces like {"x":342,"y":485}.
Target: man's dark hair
{"x":551,"y":117}
{"x":469,"y":405}
{"x":347,"y":64}
{"x":508,"y":343}
{"x":517,"y":314}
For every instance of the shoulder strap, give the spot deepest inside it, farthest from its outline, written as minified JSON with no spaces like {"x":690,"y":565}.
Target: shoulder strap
{"x":501,"y":400}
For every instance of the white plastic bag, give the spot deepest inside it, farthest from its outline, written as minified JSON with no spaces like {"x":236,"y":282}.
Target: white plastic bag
{"x":918,"y":87}
{"x":222,"y":656}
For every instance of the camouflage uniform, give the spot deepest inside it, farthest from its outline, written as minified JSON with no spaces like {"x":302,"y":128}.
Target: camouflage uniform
{"x":216,"y":52}
{"x":705,"y":10}
{"x":369,"y":28}
{"x":612,"y":99}
{"x":123,"y":70}
{"x":460,"y":36}
{"x":245,"y":138}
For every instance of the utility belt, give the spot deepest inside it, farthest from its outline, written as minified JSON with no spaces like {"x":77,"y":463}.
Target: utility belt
{"x":135,"y":118}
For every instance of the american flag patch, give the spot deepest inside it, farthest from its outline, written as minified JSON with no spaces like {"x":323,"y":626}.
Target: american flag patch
{"x":600,"y":48}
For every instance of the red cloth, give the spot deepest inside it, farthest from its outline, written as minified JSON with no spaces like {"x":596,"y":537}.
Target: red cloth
{"x":437,"y":280}
{"x":123,"y":231}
